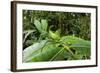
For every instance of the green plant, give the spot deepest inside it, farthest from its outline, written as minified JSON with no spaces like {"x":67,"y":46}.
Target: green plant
{"x":51,"y":46}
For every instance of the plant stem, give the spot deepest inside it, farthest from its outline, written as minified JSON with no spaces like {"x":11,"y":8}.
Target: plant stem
{"x":68,"y":49}
{"x":56,"y":54}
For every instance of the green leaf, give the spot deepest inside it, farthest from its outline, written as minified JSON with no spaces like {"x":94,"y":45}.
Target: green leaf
{"x":44,"y":24}
{"x":81,"y":46}
{"x":38,"y":25}
{"x":31,"y":49}
{"x":57,"y":55}
{"x":74,"y":40}
{"x":68,"y":55}
{"x":83,"y":50}
{"x":45,"y":55}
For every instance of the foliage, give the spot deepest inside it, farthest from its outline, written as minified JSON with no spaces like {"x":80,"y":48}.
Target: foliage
{"x":77,"y":24}
{"x":50,"y":42}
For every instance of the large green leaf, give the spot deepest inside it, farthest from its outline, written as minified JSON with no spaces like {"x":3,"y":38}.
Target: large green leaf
{"x":44,"y":24}
{"x":38,"y":25}
{"x":49,"y":51}
{"x":29,"y":50}
{"x":75,"y":40}
{"x":46,"y":54}
{"x":41,"y":26}
{"x":83,"y":50}
{"x":81,"y":46}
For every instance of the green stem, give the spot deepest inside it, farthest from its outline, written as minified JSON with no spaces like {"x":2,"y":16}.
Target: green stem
{"x":56,"y":55}
{"x":68,"y":49}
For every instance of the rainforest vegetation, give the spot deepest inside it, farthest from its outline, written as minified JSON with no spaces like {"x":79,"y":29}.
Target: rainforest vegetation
{"x":56,"y":36}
